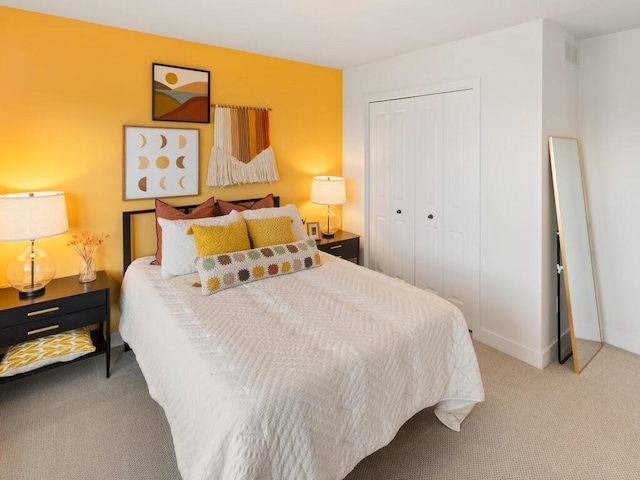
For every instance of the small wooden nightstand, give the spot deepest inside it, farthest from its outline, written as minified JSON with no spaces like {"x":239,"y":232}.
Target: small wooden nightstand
{"x":344,"y":245}
{"x":65,"y":305}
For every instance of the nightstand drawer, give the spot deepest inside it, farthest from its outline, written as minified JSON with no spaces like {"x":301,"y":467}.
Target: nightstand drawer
{"x":343,"y":244}
{"x":48,"y":326}
{"x":346,"y":249}
{"x":53,"y":308}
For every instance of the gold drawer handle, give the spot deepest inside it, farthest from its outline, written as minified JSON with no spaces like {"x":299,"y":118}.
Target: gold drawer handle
{"x":40,"y":312}
{"x":43,"y":329}
{"x":333,"y":247}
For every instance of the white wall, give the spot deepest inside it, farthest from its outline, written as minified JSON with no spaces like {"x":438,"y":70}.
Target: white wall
{"x":559,"y":119}
{"x":609,"y":130}
{"x":508,"y":64}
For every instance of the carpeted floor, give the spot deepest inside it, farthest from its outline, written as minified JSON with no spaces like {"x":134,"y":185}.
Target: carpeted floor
{"x":71,"y":423}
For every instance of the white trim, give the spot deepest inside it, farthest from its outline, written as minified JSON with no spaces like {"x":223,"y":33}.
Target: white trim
{"x":434,"y":89}
{"x":516,"y":350}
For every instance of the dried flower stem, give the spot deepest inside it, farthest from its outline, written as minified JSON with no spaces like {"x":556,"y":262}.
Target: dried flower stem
{"x":86,"y":245}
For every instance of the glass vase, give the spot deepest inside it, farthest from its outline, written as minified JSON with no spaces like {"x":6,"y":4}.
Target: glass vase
{"x":87,"y":271}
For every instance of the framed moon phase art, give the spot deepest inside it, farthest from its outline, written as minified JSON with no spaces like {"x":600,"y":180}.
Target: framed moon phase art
{"x":160,"y":162}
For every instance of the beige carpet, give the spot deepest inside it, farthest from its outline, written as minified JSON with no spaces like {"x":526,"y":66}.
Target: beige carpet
{"x":71,"y":423}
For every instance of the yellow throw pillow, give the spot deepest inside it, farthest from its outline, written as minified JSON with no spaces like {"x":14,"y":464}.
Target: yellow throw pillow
{"x":270,"y":231}
{"x":60,"y":347}
{"x":213,"y":240}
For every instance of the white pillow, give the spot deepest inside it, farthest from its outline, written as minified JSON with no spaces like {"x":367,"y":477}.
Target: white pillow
{"x":288,"y":210}
{"x":178,"y":248}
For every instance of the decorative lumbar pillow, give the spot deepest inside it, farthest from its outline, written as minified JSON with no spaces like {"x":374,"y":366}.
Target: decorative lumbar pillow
{"x":288,"y":210}
{"x":220,"y":239}
{"x":204,"y":210}
{"x":219,"y":272}
{"x":227,"y":207}
{"x":270,"y":231}
{"x":179,"y":250}
{"x":60,"y":347}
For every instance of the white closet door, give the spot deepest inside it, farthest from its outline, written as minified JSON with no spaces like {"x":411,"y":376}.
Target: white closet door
{"x":428,"y":187}
{"x":402,"y":176}
{"x":461,"y":202}
{"x":379,"y":186}
{"x":424,"y":185}
{"x":391,"y":224}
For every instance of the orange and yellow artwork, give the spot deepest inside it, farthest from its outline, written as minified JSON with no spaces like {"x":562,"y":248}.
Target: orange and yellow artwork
{"x":180,"y":94}
{"x":160,"y":162}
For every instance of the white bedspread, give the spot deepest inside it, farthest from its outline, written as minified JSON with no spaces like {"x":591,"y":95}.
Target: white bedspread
{"x":300,"y":376}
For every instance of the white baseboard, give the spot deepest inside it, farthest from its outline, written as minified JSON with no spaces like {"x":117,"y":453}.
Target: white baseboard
{"x":516,"y":350}
{"x":549,"y":353}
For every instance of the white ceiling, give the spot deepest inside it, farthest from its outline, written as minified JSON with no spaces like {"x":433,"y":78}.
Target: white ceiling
{"x":338,"y":33}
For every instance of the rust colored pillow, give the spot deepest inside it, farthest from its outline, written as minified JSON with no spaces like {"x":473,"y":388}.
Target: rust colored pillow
{"x":228,"y":207}
{"x":204,"y":210}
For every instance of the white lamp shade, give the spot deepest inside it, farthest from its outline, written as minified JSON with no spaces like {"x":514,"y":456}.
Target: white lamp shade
{"x":328,"y":190}
{"x":29,"y":216}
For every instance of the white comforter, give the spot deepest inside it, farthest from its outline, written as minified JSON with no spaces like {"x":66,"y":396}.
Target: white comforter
{"x":300,"y":376}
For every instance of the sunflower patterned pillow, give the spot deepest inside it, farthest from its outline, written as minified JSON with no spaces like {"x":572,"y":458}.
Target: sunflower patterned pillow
{"x":219,"y":272}
{"x":60,"y":347}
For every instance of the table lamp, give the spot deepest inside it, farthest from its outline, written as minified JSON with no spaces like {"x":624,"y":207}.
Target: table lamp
{"x":328,"y":190}
{"x":31,"y":216}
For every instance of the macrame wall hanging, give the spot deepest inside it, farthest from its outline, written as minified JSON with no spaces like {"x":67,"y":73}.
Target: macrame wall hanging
{"x":241,"y":151}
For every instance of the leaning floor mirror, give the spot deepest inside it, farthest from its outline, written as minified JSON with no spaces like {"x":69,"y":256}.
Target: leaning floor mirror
{"x":575,"y":262}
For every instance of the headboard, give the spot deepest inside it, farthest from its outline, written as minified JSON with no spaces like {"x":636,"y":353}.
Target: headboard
{"x":128,"y":219}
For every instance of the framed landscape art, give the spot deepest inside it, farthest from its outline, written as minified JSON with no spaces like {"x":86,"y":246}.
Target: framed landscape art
{"x":181,"y":94}
{"x":160,"y":162}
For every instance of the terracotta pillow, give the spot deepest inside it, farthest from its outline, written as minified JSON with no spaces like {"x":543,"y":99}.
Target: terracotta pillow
{"x":204,"y":210}
{"x":227,"y":207}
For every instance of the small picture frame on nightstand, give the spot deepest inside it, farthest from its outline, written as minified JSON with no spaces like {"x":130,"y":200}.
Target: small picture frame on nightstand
{"x":313,"y":230}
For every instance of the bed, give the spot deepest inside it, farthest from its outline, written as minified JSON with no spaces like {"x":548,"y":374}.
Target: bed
{"x":296,"y":376}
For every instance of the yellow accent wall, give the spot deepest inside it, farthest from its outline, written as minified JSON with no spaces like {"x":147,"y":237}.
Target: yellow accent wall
{"x":67,"y":88}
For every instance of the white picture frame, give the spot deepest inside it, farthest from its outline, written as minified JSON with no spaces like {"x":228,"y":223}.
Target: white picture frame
{"x":313,"y":230}
{"x":160,"y":162}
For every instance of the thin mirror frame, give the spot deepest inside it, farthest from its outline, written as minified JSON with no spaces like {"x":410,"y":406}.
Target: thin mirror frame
{"x":578,"y":368}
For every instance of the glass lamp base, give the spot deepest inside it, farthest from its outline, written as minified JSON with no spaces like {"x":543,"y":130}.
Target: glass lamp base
{"x":329,"y":224}
{"x":31,"y":271}
{"x":31,"y":293}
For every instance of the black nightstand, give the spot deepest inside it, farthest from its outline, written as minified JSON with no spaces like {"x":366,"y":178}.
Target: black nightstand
{"x":65,"y":305}
{"x":343,"y":244}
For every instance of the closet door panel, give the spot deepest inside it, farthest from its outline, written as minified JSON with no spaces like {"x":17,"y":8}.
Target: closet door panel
{"x":461,"y":209}
{"x":379,"y":181}
{"x":428,"y":193}
{"x":401,"y":172}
